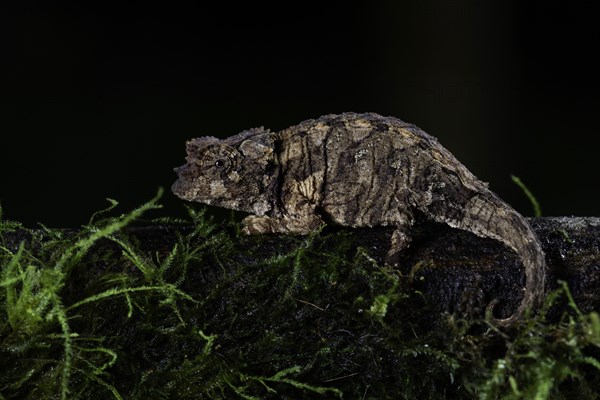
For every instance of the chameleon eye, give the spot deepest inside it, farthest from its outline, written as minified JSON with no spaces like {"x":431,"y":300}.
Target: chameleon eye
{"x":219,"y":160}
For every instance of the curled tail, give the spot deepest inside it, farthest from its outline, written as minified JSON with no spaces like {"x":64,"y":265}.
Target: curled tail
{"x":509,"y":227}
{"x":535,"y":277}
{"x":487,"y":215}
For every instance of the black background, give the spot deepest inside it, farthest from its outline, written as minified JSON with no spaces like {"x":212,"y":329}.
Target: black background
{"x":97,"y":101}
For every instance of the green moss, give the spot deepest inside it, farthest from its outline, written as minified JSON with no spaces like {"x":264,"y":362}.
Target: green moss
{"x":537,"y":210}
{"x":95,"y":314}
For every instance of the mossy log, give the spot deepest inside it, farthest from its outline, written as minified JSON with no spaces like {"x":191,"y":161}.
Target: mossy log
{"x":198,"y":311}
{"x":456,"y":271}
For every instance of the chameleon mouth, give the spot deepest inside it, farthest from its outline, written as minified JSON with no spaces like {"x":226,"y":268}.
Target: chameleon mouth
{"x":181,"y":185}
{"x":177,"y":189}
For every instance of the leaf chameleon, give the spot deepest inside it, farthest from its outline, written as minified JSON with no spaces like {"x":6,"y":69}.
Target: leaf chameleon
{"x":355,"y":170}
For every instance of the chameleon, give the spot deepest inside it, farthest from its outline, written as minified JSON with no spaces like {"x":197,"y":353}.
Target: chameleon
{"x":355,"y":170}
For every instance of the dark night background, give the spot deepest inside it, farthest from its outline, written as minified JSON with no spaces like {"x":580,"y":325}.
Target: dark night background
{"x":98,"y":101}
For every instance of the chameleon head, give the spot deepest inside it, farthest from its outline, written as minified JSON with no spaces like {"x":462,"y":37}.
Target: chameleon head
{"x":235,"y":173}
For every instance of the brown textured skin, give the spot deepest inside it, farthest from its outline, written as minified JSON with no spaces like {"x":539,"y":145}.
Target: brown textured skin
{"x":354,"y":170}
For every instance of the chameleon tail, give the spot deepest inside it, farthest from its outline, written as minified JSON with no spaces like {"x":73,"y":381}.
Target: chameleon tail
{"x":535,"y":265}
{"x":509,"y":227}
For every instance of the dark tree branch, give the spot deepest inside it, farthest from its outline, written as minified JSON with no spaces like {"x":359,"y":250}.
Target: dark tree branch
{"x":455,"y":270}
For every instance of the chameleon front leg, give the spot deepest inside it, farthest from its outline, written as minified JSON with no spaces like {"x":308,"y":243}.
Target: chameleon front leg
{"x":301,"y":221}
{"x":401,"y":239}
